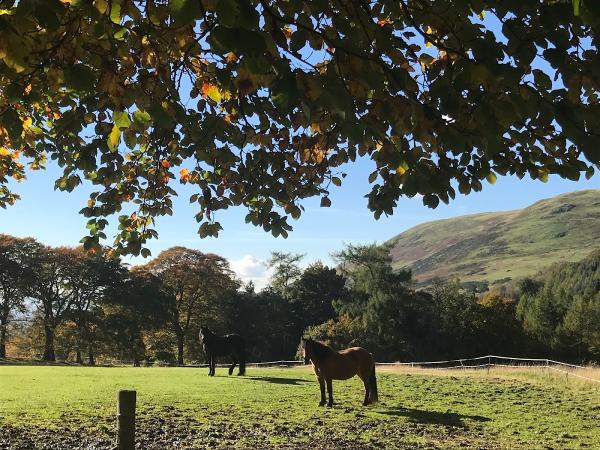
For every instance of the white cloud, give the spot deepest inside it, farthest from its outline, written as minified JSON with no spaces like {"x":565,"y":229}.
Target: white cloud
{"x":250,"y":268}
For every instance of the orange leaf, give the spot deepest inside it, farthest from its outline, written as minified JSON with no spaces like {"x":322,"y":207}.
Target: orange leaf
{"x":166,"y":164}
{"x":184,"y":175}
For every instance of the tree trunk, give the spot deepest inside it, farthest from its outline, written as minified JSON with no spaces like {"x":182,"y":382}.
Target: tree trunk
{"x":3,"y":336}
{"x":78,"y":358}
{"x":49,"y":344}
{"x":180,"y":339}
{"x":4,"y":330}
{"x":91,"y":359}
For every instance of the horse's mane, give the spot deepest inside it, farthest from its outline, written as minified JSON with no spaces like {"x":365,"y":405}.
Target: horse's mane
{"x":320,"y":350}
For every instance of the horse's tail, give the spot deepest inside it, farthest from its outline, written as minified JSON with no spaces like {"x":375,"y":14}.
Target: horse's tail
{"x":242,"y":356}
{"x":373,"y":397}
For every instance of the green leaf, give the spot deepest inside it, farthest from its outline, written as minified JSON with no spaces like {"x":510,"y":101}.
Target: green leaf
{"x":431,"y":200}
{"x":113,"y":138}
{"x":12,"y":122}
{"x":160,"y":115}
{"x":121,"y":119}
{"x":46,"y":16}
{"x":426,"y":60}
{"x":142,"y":118}
{"x":491,"y":178}
{"x":228,"y":12}
{"x":80,"y":78}
{"x":115,"y":11}
{"x":185,"y":12}
{"x":589,"y":173}
{"x":541,"y":79}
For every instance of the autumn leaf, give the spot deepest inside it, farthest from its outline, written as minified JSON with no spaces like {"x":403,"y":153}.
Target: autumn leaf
{"x":184,"y":175}
{"x":211,"y":91}
{"x":165,"y":164}
{"x":113,"y":138}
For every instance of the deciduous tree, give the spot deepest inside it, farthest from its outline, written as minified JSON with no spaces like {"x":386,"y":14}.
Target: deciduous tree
{"x":195,"y":281}
{"x":15,"y":276}
{"x":260,"y":104}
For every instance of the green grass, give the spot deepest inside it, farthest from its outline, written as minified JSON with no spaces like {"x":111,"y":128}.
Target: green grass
{"x":499,"y":245}
{"x":277,"y":408}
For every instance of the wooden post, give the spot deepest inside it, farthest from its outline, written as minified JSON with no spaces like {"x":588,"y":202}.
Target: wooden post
{"x":126,"y":420}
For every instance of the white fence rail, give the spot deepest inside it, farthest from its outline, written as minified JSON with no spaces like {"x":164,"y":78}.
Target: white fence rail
{"x":486,"y":362}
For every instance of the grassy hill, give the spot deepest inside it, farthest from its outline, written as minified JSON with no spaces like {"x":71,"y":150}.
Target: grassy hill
{"x":500,"y":245}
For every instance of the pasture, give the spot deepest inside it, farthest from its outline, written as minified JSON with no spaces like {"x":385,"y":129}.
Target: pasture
{"x":51,"y":407}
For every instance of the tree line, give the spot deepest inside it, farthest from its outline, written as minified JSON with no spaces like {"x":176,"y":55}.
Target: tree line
{"x":65,"y":303}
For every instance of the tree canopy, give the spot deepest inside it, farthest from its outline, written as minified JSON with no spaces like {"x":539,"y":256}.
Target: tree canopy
{"x":260,"y":104}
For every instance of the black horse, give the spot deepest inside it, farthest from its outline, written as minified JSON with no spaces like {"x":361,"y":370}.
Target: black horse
{"x":230,"y":345}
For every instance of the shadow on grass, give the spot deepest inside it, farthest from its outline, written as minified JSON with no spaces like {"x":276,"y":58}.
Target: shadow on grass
{"x":277,"y":380}
{"x":433,"y":417}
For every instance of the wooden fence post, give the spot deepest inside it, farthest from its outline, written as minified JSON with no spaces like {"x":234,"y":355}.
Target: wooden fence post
{"x":126,"y":420}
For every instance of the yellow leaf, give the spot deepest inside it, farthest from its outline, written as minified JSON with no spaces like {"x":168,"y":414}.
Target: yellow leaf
{"x":429,"y":31}
{"x":211,"y":91}
{"x":318,"y":156}
{"x":402,"y":168}
{"x":113,"y":138}
{"x":4,"y":151}
{"x":27,"y":123}
{"x":102,"y":6}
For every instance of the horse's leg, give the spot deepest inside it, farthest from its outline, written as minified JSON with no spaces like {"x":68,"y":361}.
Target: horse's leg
{"x":366,"y":383}
{"x":322,"y":386}
{"x":232,"y":365}
{"x":212,"y":365}
{"x":330,"y":392}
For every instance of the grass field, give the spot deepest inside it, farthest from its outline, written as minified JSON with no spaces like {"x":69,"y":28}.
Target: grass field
{"x":74,"y":407}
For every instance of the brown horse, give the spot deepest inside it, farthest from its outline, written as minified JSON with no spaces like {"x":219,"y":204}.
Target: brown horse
{"x":331,"y":365}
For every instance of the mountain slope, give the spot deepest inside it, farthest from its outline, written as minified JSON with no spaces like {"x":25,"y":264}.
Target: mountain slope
{"x":500,"y":245}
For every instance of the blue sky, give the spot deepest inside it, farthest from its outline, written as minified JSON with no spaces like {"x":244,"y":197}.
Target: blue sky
{"x":52,"y":218}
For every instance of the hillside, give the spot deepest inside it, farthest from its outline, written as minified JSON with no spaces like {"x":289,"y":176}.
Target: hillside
{"x":500,"y":245}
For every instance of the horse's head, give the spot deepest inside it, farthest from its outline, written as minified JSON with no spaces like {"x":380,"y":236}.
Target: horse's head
{"x":204,"y":331}
{"x":306,"y":349}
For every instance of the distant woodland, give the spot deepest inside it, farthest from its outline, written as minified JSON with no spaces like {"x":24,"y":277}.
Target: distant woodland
{"x":67,"y":304}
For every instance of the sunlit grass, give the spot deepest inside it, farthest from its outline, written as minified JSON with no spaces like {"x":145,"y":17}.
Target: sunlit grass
{"x":505,"y":408}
